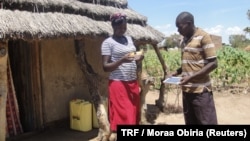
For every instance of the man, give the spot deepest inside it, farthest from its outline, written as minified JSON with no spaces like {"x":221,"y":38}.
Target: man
{"x":198,"y":60}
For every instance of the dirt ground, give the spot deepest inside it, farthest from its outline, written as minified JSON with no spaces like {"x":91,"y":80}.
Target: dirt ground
{"x":231,"y":109}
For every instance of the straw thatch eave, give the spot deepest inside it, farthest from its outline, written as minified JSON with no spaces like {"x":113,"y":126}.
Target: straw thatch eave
{"x":35,"y":26}
{"x":91,"y":10}
{"x":114,"y":3}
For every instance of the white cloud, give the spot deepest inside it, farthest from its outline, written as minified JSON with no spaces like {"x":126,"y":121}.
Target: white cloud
{"x":234,"y":30}
{"x":219,"y":30}
{"x":163,"y":27}
{"x":225,"y":32}
{"x":167,"y":29}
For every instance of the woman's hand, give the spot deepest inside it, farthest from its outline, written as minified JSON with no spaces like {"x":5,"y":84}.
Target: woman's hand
{"x":138,"y":57}
{"x":128,"y":58}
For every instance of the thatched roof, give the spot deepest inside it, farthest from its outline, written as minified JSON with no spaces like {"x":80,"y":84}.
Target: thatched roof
{"x":38,"y":19}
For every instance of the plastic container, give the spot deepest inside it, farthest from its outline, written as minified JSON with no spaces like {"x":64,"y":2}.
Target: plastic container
{"x":80,"y":115}
{"x":95,"y":120}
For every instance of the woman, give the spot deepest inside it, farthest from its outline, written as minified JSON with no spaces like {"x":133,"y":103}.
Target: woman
{"x":124,"y":100}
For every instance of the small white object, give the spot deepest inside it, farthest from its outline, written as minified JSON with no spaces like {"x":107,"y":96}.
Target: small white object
{"x":173,"y":80}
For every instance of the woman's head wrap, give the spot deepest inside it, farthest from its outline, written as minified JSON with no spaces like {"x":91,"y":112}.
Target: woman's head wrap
{"x":117,"y":19}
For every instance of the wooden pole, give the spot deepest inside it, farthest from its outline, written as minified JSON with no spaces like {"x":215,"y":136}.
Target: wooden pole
{"x":161,"y":101}
{"x":93,"y":81}
{"x":3,"y":88}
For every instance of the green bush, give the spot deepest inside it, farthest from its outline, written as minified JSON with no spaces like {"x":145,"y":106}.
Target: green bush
{"x":233,"y":66}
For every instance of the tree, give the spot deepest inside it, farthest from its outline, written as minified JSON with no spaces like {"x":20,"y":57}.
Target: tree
{"x":173,"y":41}
{"x":237,"y":40}
{"x":247,"y":29}
{"x":248,"y":14}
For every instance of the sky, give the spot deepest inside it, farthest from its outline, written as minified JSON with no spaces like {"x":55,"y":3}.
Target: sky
{"x":218,"y":17}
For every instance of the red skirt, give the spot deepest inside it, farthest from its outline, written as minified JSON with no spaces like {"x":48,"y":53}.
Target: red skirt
{"x":124,"y":103}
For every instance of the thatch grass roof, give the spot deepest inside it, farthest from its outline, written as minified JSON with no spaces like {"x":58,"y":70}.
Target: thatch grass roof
{"x":96,"y":10}
{"x":38,"y":19}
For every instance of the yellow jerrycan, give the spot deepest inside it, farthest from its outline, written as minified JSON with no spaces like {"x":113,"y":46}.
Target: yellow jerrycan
{"x":80,"y":115}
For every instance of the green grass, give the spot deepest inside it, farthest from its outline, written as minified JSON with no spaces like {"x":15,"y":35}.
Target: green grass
{"x":233,"y":66}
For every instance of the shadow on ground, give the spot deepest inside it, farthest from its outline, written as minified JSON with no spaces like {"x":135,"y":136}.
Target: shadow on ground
{"x":56,"y":134}
{"x":62,"y":132}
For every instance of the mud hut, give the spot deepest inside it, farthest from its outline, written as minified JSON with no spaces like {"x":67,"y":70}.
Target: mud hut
{"x":217,"y":41}
{"x":41,"y":45}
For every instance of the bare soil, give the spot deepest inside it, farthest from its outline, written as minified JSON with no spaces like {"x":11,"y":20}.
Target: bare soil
{"x":231,"y":109}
